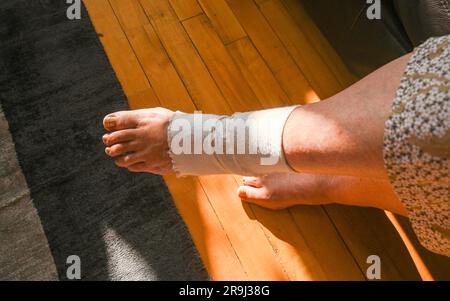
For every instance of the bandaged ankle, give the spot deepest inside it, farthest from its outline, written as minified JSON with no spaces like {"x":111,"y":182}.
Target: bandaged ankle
{"x":244,"y":143}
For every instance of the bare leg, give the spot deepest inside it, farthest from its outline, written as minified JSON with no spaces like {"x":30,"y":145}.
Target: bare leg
{"x":343,"y":135}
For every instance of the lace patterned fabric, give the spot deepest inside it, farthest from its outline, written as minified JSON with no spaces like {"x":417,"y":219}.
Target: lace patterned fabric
{"x":417,"y":143}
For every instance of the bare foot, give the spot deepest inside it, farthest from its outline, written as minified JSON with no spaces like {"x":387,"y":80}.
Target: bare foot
{"x":279,"y":191}
{"x":138,"y":140}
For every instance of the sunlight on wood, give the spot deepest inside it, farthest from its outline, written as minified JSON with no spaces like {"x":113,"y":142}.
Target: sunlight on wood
{"x":311,"y":97}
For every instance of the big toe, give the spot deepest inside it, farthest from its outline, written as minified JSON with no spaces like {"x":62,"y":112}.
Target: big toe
{"x":252,"y":193}
{"x":120,"y":121}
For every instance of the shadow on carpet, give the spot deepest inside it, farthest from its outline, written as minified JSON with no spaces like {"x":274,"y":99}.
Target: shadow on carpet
{"x":56,"y":85}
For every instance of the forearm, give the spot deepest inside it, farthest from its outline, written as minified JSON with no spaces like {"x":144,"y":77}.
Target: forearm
{"x":343,"y":135}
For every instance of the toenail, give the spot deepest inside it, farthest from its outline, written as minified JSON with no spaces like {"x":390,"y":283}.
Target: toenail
{"x":110,"y":123}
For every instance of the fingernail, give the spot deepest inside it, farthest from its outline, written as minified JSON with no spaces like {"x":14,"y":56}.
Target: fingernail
{"x":107,"y":150}
{"x":104,"y":138}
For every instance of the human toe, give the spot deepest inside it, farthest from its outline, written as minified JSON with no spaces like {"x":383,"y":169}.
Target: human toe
{"x":129,"y":159}
{"x":252,"y":181}
{"x":119,"y":137}
{"x":253,"y":193}
{"x":120,"y":120}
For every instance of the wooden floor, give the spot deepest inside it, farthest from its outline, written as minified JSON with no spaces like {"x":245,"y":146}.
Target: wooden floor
{"x":222,"y":56}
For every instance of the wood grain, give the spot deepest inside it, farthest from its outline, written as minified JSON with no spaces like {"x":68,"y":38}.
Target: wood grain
{"x":222,"y":18}
{"x":186,"y":9}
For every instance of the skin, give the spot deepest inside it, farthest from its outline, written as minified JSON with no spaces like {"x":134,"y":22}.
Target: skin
{"x":281,"y":191}
{"x":344,"y":134}
{"x":338,"y":153}
{"x":138,"y":140}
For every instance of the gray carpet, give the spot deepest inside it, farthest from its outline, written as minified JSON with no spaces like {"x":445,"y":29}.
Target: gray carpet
{"x":24,"y":251}
{"x":67,"y":198}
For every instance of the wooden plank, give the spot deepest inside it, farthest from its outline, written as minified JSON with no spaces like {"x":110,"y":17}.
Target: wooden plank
{"x":368,"y":232}
{"x":318,"y":40}
{"x":130,"y":14}
{"x":245,"y":233}
{"x":121,"y":55}
{"x":229,"y":79}
{"x":422,"y":269}
{"x":184,"y":56}
{"x":152,"y":56}
{"x":305,"y":55}
{"x":298,"y":260}
{"x":207,"y":232}
{"x":431,"y":266}
{"x":186,"y":9}
{"x":388,"y":236}
{"x":273,"y":51}
{"x":223,"y":20}
{"x":291,"y":249}
{"x":326,"y":244}
{"x":257,"y":74}
{"x":143,"y":99}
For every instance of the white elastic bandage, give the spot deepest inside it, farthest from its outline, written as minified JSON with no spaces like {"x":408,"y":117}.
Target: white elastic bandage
{"x":244,"y":143}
